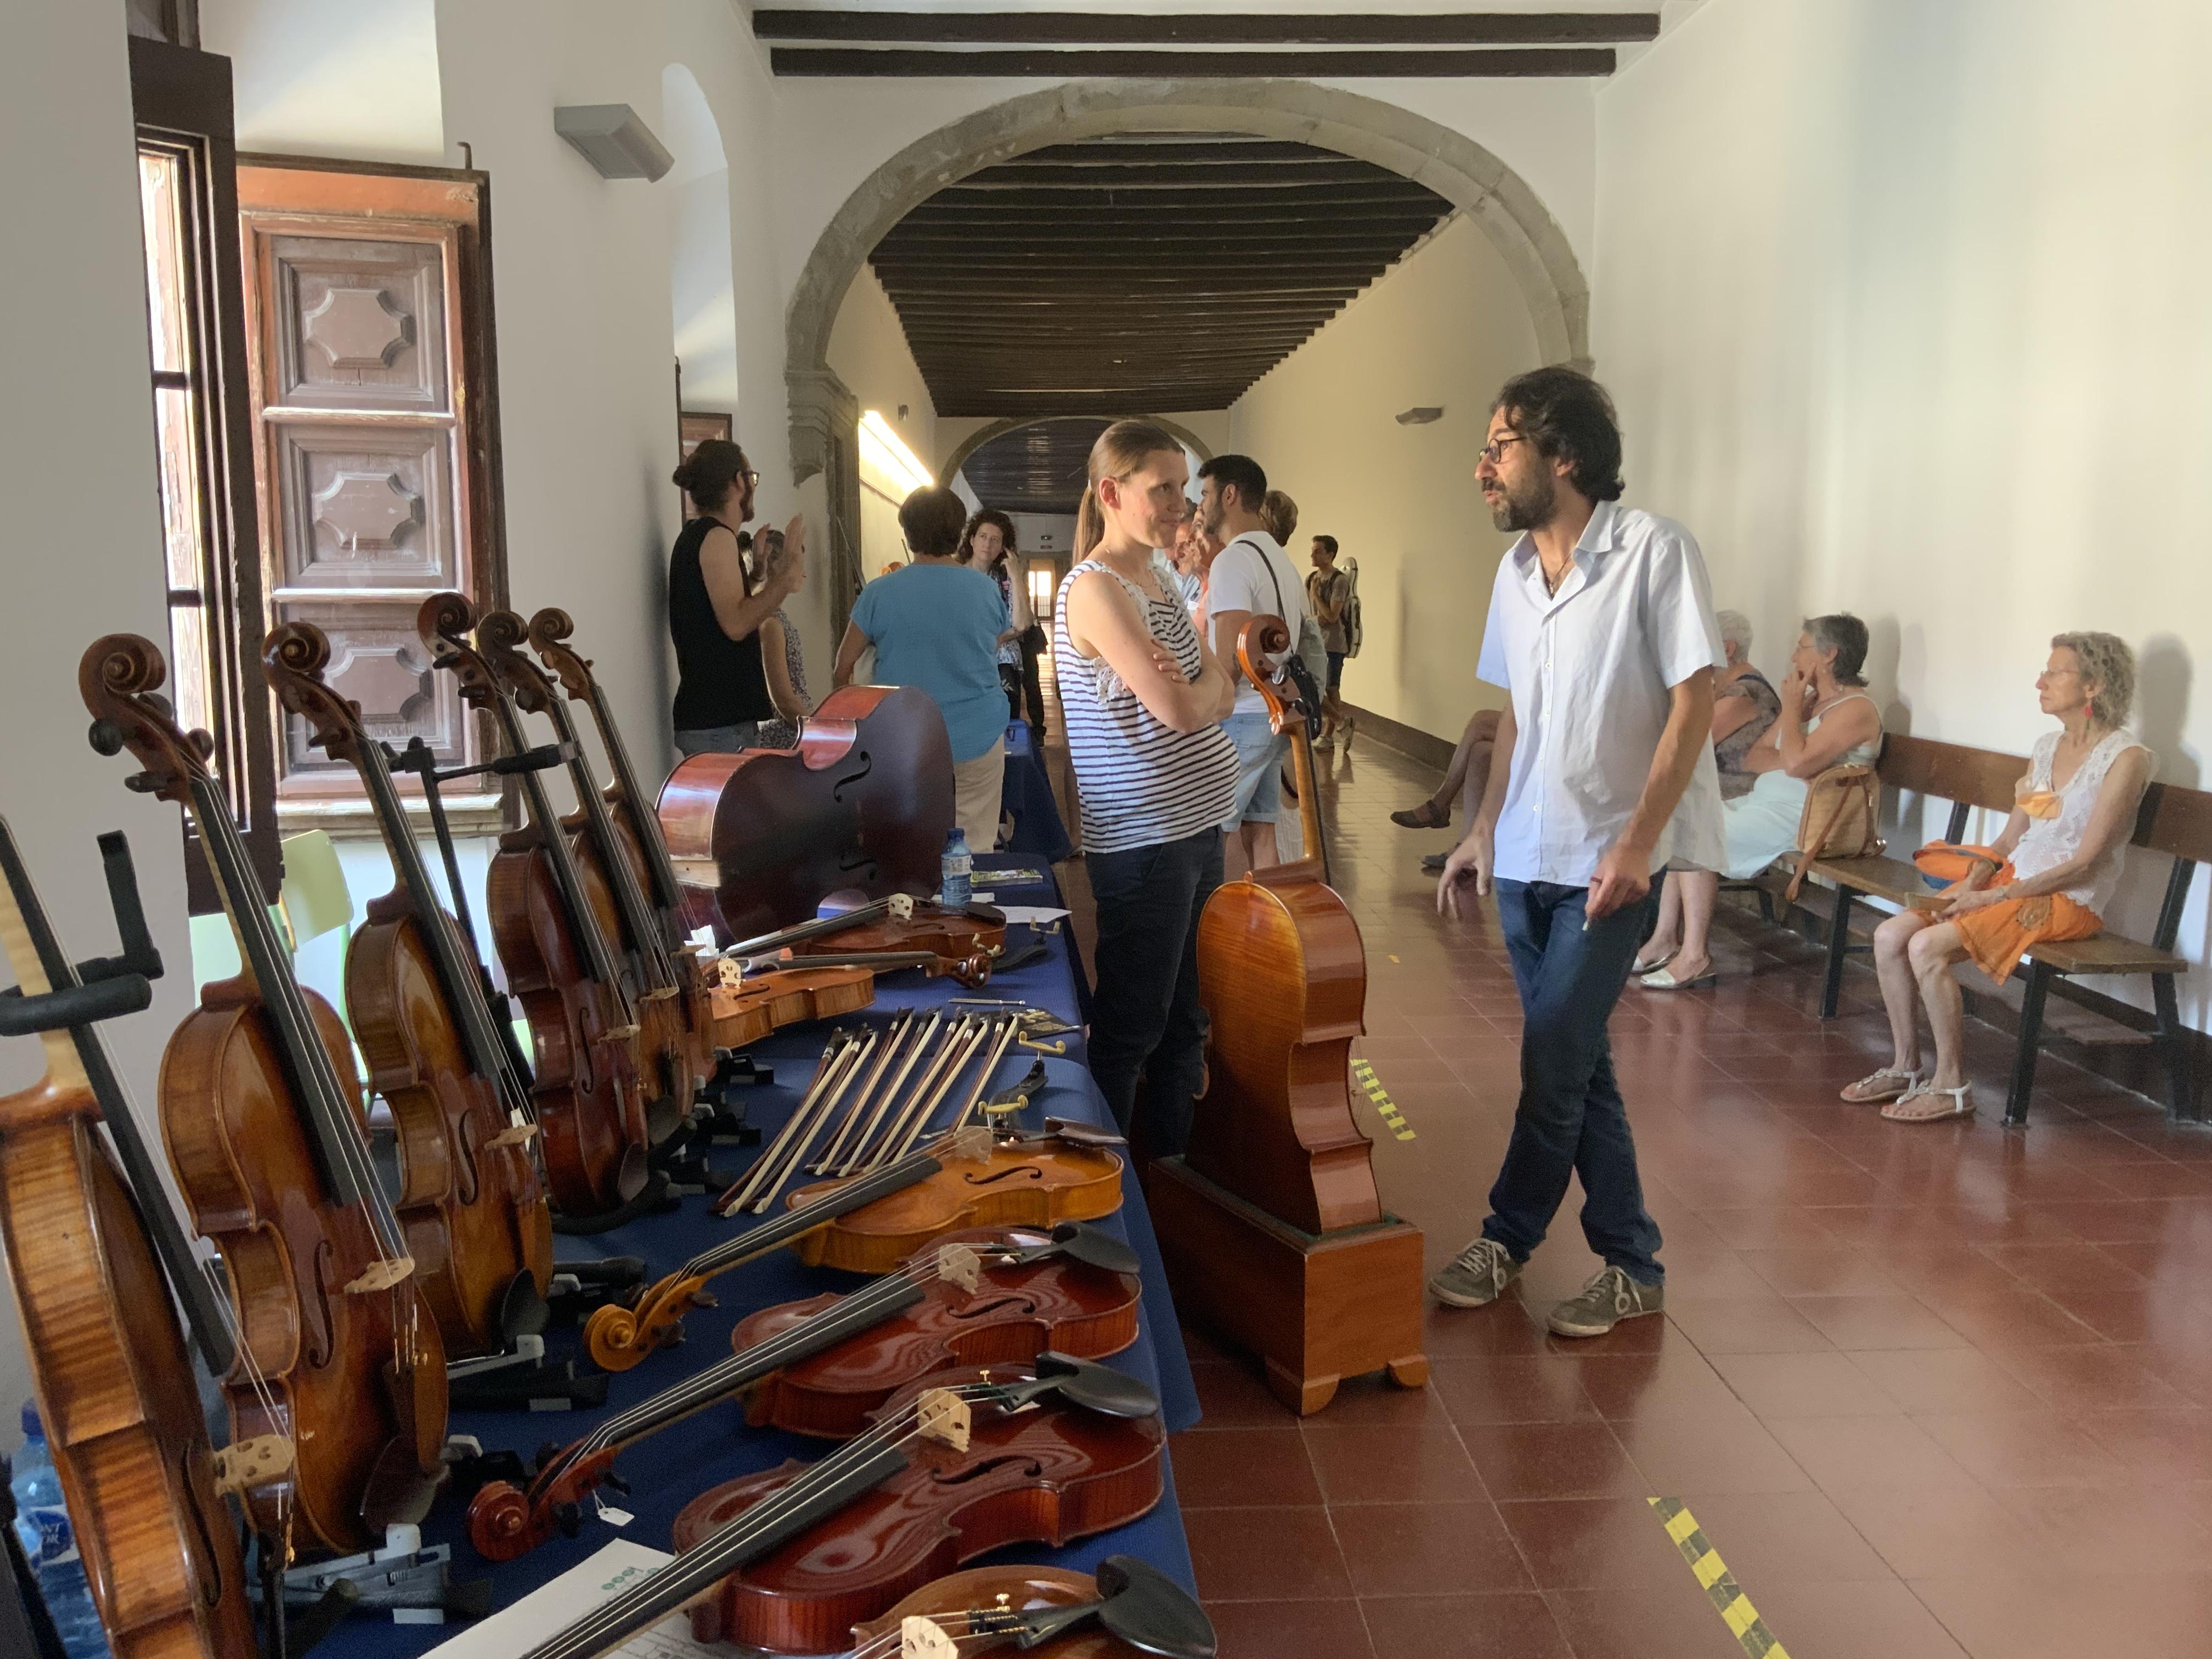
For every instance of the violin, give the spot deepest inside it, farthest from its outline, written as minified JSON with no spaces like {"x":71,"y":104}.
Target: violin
{"x":470,"y":1200}
{"x":745,"y":1007}
{"x":618,"y":1338}
{"x":898,"y":922}
{"x":1128,"y":1609}
{"x":85,"y":1252}
{"x":1068,"y":1173}
{"x":956,"y":1463}
{"x":1084,"y":1457}
{"x":267,"y":1132}
{"x":672,"y":991}
{"x":591,"y":1117}
{"x":831,"y":1361}
{"x":865,"y":800}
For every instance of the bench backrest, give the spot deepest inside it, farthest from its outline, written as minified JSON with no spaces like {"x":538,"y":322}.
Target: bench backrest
{"x":1951,"y":771}
{"x":2176,"y":821}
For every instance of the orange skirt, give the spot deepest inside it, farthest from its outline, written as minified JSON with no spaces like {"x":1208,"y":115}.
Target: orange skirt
{"x":1999,"y":935}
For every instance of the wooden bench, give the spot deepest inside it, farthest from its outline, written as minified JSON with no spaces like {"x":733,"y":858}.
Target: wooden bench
{"x":2175,"y":821}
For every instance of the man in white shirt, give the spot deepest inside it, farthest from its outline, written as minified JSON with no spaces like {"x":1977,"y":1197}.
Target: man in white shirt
{"x":1602,"y":630}
{"x":1250,"y":576}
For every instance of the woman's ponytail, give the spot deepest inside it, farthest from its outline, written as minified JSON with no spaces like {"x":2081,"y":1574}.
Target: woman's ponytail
{"x":1090,"y":523}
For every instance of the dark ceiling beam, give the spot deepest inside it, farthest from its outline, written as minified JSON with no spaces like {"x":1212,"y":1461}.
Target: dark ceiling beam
{"x":1393,"y":192}
{"x":1115,"y":403}
{"x":1263,"y":175}
{"x":1105,"y":218}
{"x":1173,"y":147}
{"x":1041,"y":64}
{"x":945,"y":240}
{"x":1132,"y":29}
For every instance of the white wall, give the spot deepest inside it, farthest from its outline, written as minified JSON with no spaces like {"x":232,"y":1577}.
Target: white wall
{"x":869,"y":353}
{"x":360,"y":75}
{"x":702,"y":282}
{"x":1907,"y":314}
{"x":1446,"y":327}
{"x":77,"y":364}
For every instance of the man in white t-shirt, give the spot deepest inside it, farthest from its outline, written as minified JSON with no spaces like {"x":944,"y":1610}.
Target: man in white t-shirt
{"x":1251,"y":576}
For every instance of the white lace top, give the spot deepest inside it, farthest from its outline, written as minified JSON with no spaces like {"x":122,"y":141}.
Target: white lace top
{"x":2053,"y":840}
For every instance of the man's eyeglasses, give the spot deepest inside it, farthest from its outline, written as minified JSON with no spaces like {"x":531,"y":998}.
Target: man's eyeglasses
{"x":1494,"y":451}
{"x":750,"y":480}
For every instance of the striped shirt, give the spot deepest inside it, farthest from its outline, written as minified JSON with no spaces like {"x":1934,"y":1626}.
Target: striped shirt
{"x":1140,"y":784}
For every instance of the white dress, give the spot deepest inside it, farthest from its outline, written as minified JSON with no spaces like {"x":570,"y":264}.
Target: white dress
{"x":2050,"y":842}
{"x":1762,"y":826}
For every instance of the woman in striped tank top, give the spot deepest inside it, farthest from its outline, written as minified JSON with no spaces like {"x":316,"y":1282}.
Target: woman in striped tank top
{"x":1143,"y":698}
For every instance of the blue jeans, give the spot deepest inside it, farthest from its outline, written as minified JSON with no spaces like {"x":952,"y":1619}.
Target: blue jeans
{"x":1260,"y":755}
{"x":1146,"y":1024}
{"x":1571,"y":1119}
{"x":717,"y":739}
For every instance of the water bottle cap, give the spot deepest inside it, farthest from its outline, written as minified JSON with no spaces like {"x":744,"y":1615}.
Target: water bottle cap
{"x":32,"y":1426}
{"x":956,"y":833}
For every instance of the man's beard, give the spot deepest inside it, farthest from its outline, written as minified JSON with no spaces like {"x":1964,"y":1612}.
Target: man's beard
{"x":1209,"y":519}
{"x":1526,"y":507}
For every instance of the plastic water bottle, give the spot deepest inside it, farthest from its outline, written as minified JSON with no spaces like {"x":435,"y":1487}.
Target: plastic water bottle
{"x":42,"y":1526}
{"x":956,"y":872}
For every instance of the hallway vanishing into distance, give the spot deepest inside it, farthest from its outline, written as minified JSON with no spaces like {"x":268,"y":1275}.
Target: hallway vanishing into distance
{"x":1928,"y":1393}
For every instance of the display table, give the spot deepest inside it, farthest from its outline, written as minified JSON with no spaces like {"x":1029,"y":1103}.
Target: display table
{"x":671,"y":1468}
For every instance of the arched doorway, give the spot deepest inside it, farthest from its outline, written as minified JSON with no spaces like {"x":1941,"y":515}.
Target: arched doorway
{"x":1475,"y":180}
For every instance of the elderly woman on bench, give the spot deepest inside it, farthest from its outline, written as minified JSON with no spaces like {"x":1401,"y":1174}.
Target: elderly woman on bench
{"x":2048,"y":877}
{"x":1827,"y":719}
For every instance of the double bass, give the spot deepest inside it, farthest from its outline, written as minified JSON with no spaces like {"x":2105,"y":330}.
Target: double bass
{"x":592,"y":1114}
{"x":1270,"y":1222}
{"x":86,"y":1254}
{"x":865,"y":801}
{"x":267,"y":1132}
{"x":471,"y":1202}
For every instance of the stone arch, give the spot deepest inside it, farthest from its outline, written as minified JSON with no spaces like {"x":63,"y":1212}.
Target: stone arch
{"x":1450,"y":163}
{"x":983,"y":435}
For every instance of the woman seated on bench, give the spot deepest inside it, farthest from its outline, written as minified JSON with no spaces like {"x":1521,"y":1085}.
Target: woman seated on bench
{"x":1827,"y":719}
{"x":2048,"y":877}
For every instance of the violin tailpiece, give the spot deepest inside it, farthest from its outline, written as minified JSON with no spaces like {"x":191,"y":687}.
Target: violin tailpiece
{"x":943,"y":1415}
{"x":922,"y":1639}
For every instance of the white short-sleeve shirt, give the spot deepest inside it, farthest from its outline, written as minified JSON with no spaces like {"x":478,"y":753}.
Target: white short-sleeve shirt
{"x":1589,"y":669}
{"x":1254,"y":574}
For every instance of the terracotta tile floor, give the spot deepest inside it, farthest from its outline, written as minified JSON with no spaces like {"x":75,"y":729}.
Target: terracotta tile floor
{"x":1935,"y":1391}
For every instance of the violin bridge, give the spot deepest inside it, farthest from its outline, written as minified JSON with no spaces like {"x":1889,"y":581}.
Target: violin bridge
{"x":381,"y":1276}
{"x":959,"y":1264}
{"x":901,"y":907}
{"x":618,"y":1034}
{"x":941,"y":1414}
{"x":248,"y":1463}
{"x":971,"y":1144}
{"x":515,"y":1135}
{"x":660,"y":993}
{"x":922,"y":1639}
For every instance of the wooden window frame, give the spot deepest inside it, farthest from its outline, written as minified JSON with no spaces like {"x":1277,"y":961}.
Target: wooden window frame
{"x":181,"y":106}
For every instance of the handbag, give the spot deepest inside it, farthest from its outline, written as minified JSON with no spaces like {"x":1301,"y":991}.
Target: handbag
{"x":1841,"y":819}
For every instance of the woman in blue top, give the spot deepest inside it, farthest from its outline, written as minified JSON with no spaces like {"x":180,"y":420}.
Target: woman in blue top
{"x":936,"y":625}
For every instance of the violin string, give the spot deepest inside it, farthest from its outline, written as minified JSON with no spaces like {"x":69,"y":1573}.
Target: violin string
{"x":707,"y":1562}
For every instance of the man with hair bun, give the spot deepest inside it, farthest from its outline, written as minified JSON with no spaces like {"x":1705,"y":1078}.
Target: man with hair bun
{"x":1601,"y":632}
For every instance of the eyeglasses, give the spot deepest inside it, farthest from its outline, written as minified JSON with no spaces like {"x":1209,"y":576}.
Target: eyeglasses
{"x":750,"y":480}
{"x":1494,"y":451}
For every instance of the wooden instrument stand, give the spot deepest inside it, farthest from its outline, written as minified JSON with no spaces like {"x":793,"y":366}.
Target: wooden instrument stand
{"x":1270,"y":1224}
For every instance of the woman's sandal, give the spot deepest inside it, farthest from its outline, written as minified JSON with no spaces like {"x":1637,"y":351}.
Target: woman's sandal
{"x":1959,"y":1106}
{"x":1427,"y":815}
{"x":1663,"y":979}
{"x":1637,"y":970}
{"x":1886,"y":1085}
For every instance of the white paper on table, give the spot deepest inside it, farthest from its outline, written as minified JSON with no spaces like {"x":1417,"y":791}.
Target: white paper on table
{"x":1032,"y":914}
{"x":552,"y":1608}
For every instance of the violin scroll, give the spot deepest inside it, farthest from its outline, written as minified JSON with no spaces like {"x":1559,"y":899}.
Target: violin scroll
{"x":501,"y":635}
{"x":1263,"y":636}
{"x":444,"y":622}
{"x":120,"y":676}
{"x":549,"y":632}
{"x":293,"y":657}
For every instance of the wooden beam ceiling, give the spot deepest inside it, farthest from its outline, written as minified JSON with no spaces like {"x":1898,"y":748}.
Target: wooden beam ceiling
{"x":1149,"y":29}
{"x":1038,"y":468}
{"x":1045,"y":64}
{"x":1138,"y":272}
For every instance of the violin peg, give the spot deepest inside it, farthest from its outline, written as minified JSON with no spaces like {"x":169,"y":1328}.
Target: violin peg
{"x":921,"y":1638}
{"x":106,"y":738}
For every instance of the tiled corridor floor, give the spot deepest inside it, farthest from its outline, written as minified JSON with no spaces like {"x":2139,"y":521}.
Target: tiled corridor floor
{"x":1928,"y":1391}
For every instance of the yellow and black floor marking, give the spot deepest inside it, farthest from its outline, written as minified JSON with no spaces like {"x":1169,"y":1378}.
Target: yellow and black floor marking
{"x":1735,"y":1608}
{"x":1364,"y":1075}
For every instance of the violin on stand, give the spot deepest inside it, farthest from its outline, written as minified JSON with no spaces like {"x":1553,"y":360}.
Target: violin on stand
{"x":826,"y":1365}
{"x":87,"y":1246}
{"x":1125,"y":1610}
{"x":1270,"y":1223}
{"x":864,"y":801}
{"x":267,"y":1132}
{"x":671,"y":997}
{"x":471,"y":1200}
{"x":592,"y":1115}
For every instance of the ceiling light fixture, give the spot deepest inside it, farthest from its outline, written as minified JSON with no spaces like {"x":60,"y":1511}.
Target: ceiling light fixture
{"x":613,"y":140}
{"x":883,"y":448}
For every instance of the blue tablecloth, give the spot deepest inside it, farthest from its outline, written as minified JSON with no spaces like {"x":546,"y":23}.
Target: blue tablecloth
{"x":668,"y":1470}
{"x":1039,"y":830}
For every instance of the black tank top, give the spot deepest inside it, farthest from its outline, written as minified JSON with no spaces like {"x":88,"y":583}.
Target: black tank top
{"x":720,"y":680}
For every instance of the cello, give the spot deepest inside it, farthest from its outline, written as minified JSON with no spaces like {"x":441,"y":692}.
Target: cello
{"x":671,"y":1002}
{"x":822,"y":1365}
{"x":471,"y":1199}
{"x":583,"y":1027}
{"x":86,"y":1255}
{"x":1128,"y":1609}
{"x":267,"y":1131}
{"x":1270,"y":1222}
{"x":864,"y":801}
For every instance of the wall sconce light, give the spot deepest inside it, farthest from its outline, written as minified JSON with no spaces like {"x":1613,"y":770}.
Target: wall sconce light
{"x":613,"y":140}
{"x":1420,"y":417}
{"x":883,"y":448}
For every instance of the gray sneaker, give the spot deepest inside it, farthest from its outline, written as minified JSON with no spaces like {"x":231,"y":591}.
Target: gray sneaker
{"x":1478,"y":1275}
{"x":1610,"y":1297}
